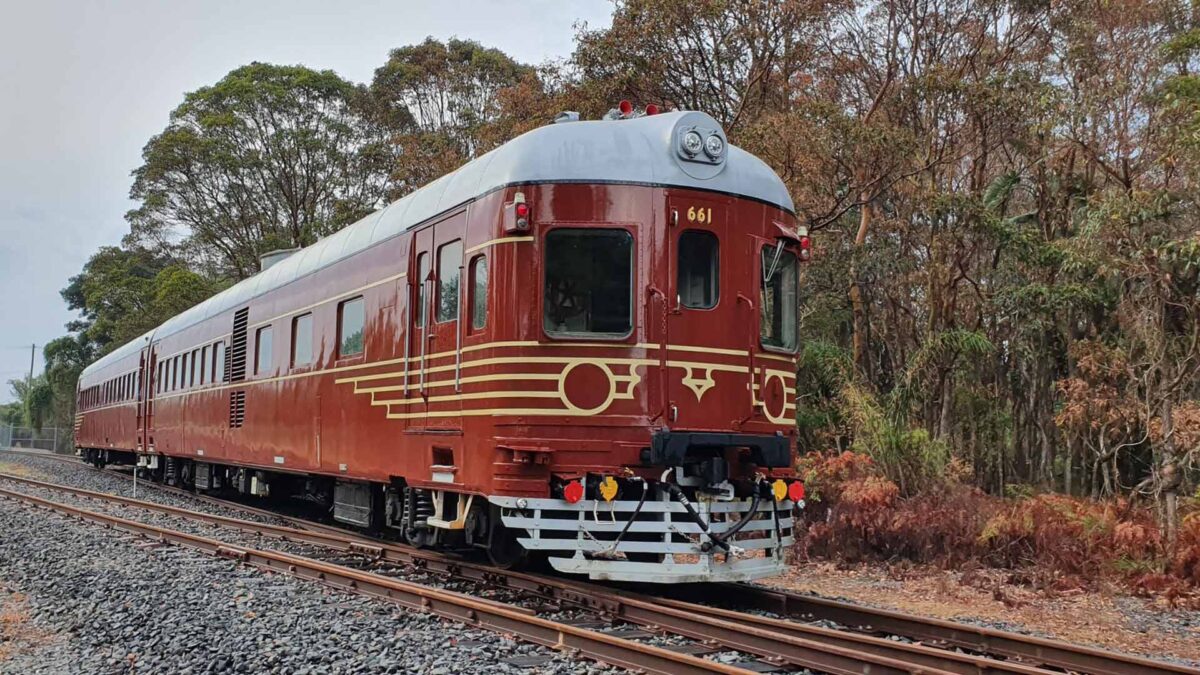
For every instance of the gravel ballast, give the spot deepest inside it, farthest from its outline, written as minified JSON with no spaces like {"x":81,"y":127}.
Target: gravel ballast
{"x":102,"y":601}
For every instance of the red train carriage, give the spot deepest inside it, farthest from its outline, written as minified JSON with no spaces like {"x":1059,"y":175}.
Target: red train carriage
{"x":581,"y":344}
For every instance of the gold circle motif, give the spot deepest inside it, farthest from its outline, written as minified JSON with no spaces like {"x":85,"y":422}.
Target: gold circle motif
{"x":775,"y":419}
{"x":562,"y":388}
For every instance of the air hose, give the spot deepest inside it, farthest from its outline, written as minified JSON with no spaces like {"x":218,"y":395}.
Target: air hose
{"x":625,"y":530}
{"x":718,"y":540}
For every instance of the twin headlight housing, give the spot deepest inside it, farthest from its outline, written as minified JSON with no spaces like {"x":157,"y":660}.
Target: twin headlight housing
{"x":697,"y":144}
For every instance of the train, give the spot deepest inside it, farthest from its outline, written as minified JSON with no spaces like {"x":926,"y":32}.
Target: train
{"x":579,"y":347}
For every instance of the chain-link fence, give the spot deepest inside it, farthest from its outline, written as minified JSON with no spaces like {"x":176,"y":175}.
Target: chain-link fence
{"x":54,"y":439}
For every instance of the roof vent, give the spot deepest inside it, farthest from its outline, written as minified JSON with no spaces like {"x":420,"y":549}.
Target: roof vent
{"x":266,"y":260}
{"x":566,"y":116}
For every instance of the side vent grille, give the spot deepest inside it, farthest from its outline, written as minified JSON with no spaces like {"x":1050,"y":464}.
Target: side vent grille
{"x":235,"y":358}
{"x":237,"y":409}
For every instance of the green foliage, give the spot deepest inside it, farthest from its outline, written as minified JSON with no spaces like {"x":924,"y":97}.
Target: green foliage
{"x":36,"y":400}
{"x":446,"y":103}
{"x":269,"y":157}
{"x":824,"y":369}
{"x":124,"y":292}
{"x":907,"y":455}
{"x":12,"y":414}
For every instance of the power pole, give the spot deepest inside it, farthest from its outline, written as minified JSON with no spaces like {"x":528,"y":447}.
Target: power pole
{"x":32,"y":351}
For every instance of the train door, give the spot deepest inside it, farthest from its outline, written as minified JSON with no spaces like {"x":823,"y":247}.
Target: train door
{"x":435,"y":332}
{"x":145,"y":400}
{"x":706,"y":317}
{"x":777,"y":292}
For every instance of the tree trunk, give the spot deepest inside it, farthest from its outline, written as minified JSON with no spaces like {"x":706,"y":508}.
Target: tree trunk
{"x":1169,"y":475}
{"x":944,"y":424}
{"x":858,"y":307}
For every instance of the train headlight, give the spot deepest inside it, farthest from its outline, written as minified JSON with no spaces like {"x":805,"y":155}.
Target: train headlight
{"x":780,"y":490}
{"x":714,"y":146}
{"x":692,"y":143}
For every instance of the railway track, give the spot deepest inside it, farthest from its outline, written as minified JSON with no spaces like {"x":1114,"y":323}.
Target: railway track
{"x":940,"y":646}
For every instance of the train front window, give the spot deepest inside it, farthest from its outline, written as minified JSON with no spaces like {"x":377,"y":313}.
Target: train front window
{"x":699,"y":267}
{"x":589,"y":283}
{"x":777,"y":320}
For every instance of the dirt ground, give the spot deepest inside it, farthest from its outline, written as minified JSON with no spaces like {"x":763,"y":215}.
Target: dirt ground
{"x":18,"y":636}
{"x":1107,"y":619}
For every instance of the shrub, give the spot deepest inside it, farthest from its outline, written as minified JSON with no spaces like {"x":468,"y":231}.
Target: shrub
{"x":857,"y":514}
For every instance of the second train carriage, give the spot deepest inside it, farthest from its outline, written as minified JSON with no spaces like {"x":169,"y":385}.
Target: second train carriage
{"x":581,"y":344}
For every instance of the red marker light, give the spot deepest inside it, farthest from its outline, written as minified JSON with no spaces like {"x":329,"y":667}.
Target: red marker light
{"x":805,"y":248}
{"x":573,"y":492}
{"x":522,"y":210}
{"x":651,"y":109}
{"x":796,"y":491}
{"x":625,"y":107}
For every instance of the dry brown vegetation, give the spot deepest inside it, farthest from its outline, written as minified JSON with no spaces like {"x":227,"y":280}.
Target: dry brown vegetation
{"x":1051,"y":543}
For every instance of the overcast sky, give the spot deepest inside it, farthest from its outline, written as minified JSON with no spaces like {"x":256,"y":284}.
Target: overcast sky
{"x":84,"y":85}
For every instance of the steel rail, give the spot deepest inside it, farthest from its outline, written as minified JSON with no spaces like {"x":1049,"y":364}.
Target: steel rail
{"x":1022,"y":650}
{"x":455,"y":606}
{"x":780,"y":641}
{"x":1027,"y":648}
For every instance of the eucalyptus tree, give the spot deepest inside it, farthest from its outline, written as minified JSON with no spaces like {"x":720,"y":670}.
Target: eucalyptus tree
{"x":444,"y":103}
{"x":268,"y":157}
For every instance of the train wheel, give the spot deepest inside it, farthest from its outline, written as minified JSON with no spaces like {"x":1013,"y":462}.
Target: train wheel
{"x":503,"y":549}
{"x":421,"y":537}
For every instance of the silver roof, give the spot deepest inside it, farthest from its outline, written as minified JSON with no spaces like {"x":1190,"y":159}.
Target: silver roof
{"x":640,"y":150}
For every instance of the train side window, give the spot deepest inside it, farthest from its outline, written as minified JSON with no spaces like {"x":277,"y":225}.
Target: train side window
{"x":588,"y":283}
{"x":195,"y":365}
{"x":697,"y":281}
{"x":262,"y":350}
{"x":351,"y":319}
{"x":203,"y":367}
{"x":422,"y":272}
{"x":449,"y":269}
{"x":302,"y":351}
{"x":479,"y":287}
{"x":780,"y":276}
{"x":219,"y":362}
{"x":183,"y":371}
